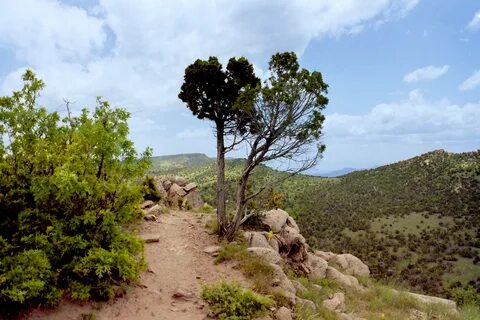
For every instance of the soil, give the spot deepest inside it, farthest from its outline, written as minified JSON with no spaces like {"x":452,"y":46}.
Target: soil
{"x":175,"y":263}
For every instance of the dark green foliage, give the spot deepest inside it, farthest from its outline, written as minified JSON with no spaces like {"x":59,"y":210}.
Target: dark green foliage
{"x":337,"y":214}
{"x":67,"y":189}
{"x":232,"y":302}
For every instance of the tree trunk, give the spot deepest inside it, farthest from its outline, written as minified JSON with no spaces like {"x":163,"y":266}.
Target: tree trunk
{"x":221,"y":212}
{"x":241,"y":205}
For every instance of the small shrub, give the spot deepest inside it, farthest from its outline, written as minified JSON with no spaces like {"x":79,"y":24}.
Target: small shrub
{"x":150,"y":191}
{"x":465,"y":296}
{"x":229,"y":301}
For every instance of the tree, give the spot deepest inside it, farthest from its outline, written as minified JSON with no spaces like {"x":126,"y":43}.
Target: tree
{"x":286,"y":125}
{"x":211,"y":93}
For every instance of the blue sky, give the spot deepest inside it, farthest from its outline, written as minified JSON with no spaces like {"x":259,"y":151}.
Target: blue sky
{"x":404,"y":75}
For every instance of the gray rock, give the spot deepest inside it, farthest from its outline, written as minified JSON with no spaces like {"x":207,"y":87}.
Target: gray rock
{"x":150,"y":217}
{"x":258,"y":239}
{"x":283,"y":313}
{"x":167,"y":184}
{"x":336,"y":303}
{"x":275,"y":219}
{"x":189,"y":187}
{"x":281,"y":280}
{"x":299,"y":288}
{"x":433,"y":300}
{"x":212,"y":250}
{"x":176,"y":190}
{"x":318,"y":266}
{"x":292,"y":223}
{"x":351,"y":265}
{"x":273,"y":242}
{"x":325,"y":255}
{"x":344,"y":281}
{"x":149,"y":238}
{"x":304,"y":303}
{"x":155,"y":210}
{"x":147,"y":204}
{"x":194,"y":199}
{"x":180,"y":293}
{"x":267,"y":253}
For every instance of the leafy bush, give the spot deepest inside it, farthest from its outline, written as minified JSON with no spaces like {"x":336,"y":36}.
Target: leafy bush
{"x":230,"y":301}
{"x":465,"y":296}
{"x":67,"y":191}
{"x":150,"y":192}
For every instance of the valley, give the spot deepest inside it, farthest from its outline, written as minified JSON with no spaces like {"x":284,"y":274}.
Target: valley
{"x":415,"y":222}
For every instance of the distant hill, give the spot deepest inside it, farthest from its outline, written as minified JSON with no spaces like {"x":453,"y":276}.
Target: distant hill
{"x":333,"y":174}
{"x":179,"y":161}
{"x":416,"y":222}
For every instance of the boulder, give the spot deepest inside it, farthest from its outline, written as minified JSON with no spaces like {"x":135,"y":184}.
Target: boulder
{"x":149,"y":238}
{"x":150,"y":217}
{"x":299,"y":288}
{"x":194,"y":199}
{"x":189,"y":187}
{"x":176,"y":190}
{"x":281,"y":280}
{"x":292,"y":223}
{"x":317,"y":266}
{"x":275,"y":219}
{"x":304,"y":303}
{"x":335,"y":303}
{"x":292,"y":245}
{"x":351,"y":265}
{"x":283,"y":313}
{"x":155,"y":210}
{"x":344,"y":281}
{"x":325,"y":255}
{"x":273,"y":242}
{"x":147,"y":204}
{"x":182,"y":182}
{"x":267,"y":253}
{"x":433,"y":300}
{"x":167,"y":184}
{"x":212,"y":250}
{"x":258,"y":239}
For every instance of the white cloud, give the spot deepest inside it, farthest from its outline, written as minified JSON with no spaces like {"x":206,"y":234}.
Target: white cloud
{"x":413,"y":118}
{"x":44,"y":31}
{"x":134,"y":54}
{"x":471,"y":82}
{"x":474,"y":24}
{"x":426,"y":73}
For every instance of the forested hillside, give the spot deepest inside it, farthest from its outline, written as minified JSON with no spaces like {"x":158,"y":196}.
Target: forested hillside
{"x":415,"y":222}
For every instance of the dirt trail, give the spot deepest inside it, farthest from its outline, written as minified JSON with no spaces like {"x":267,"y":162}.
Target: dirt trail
{"x":176,"y":261}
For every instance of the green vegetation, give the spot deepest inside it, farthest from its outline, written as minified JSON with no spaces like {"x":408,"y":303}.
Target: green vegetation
{"x":229,"y":301}
{"x":67,"y":191}
{"x":251,"y":265}
{"x":415,"y":222}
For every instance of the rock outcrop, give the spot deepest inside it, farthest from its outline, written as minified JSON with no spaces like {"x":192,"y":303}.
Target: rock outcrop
{"x":281,"y":243}
{"x":177,"y":192}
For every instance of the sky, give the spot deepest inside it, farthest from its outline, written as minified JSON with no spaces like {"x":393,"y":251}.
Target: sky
{"x":403,"y":75}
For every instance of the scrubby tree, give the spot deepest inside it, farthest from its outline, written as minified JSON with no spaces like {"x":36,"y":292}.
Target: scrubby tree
{"x":211,"y":92}
{"x":285,"y":127}
{"x":67,"y":189}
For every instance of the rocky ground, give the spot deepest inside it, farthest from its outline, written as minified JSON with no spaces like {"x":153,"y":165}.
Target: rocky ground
{"x":171,"y":287}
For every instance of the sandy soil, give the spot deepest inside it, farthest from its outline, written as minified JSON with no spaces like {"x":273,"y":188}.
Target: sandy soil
{"x":176,"y":261}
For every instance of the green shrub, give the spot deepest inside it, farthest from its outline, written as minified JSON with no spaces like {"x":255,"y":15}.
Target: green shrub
{"x":465,"y":296}
{"x":229,"y":301}
{"x":67,"y":191}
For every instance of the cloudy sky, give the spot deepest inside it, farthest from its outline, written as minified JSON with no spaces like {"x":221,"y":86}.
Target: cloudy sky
{"x":404,"y":75}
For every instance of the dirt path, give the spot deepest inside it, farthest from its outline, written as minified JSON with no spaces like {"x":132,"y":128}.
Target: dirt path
{"x":176,"y":261}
